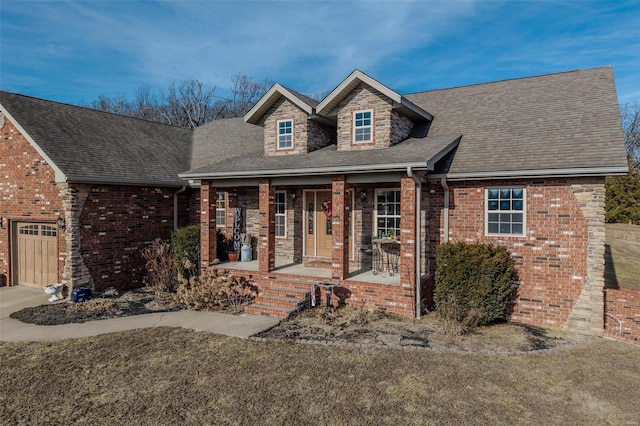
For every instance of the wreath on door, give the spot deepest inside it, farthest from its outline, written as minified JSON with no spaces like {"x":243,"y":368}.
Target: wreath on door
{"x":326,"y":208}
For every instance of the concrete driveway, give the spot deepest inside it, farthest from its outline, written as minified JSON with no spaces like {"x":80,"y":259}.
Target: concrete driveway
{"x":15,"y":298}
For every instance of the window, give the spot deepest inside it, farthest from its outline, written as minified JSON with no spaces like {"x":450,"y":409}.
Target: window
{"x":362,"y":126}
{"x":285,"y":134}
{"x":387,"y":213}
{"x":220,"y":209}
{"x":505,"y":211}
{"x":281,"y":217}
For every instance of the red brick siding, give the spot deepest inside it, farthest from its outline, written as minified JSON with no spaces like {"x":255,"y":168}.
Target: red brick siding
{"x":551,"y":257}
{"x":117,"y":223}
{"x":28,"y":192}
{"x":624,"y":305}
{"x":395,"y":299}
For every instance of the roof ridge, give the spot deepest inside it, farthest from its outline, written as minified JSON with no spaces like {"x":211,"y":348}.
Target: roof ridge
{"x":85,"y":108}
{"x":509,"y":79}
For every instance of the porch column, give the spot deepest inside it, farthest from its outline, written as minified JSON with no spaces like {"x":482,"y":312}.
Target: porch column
{"x":267,"y":240}
{"x":339,"y":230}
{"x":208,"y":239}
{"x":408,"y":234}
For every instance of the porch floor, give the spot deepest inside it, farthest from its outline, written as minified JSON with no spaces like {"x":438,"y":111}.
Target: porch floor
{"x":307,"y":271}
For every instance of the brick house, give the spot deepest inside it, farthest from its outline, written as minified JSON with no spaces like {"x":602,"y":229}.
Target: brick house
{"x":355,"y":191}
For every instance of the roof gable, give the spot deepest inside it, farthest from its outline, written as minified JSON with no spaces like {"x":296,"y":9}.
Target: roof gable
{"x":85,"y":145}
{"x":271,"y":97}
{"x":329,"y":104}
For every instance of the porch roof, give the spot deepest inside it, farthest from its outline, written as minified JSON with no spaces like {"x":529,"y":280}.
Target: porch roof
{"x":419,"y":153}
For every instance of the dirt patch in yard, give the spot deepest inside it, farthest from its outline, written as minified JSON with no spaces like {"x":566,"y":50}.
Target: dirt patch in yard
{"x":358,"y":327}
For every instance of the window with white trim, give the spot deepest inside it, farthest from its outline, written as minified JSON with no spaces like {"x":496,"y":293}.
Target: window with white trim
{"x":505,"y":211}
{"x":285,"y":134}
{"x":387,"y":213}
{"x":220,"y":208}
{"x":281,"y":213}
{"x":362,"y":126}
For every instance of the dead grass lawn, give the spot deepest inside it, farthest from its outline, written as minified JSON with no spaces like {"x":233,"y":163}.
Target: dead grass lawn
{"x":622,"y":251}
{"x":167,"y":376}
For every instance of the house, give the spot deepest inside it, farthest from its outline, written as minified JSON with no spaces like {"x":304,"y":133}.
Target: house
{"x":519,"y":163}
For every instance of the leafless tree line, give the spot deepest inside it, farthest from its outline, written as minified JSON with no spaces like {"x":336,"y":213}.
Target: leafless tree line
{"x":188,"y":104}
{"x":630,"y":115}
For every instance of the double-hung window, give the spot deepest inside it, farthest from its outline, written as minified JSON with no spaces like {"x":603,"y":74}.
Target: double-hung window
{"x":505,"y":211}
{"x":362,"y":126}
{"x":220,"y":209}
{"x":285,"y":134}
{"x":281,"y":213}
{"x":387,"y":213}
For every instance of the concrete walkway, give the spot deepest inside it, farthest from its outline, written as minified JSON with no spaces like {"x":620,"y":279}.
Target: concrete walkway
{"x":15,"y":298}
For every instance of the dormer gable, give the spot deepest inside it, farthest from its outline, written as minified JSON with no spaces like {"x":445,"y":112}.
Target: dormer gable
{"x":286,"y":117}
{"x":369,"y":114}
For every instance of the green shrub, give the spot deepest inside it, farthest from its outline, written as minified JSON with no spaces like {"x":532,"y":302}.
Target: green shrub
{"x":186,"y":250}
{"x":474,"y":283}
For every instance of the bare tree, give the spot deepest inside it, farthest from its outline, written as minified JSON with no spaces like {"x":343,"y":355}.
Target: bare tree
{"x":630,"y":115}
{"x":189,"y":105}
{"x":117,"y":104}
{"x":245,"y":92}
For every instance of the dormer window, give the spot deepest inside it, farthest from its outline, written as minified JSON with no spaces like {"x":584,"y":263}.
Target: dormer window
{"x":285,"y":134}
{"x":362,"y":126}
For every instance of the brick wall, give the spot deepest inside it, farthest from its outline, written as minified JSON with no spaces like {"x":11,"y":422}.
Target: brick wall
{"x":551,"y":257}
{"x":117,"y":223}
{"x":622,"y":314}
{"x":28,"y":192}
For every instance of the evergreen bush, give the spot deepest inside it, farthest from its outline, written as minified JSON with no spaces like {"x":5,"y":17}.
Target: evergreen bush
{"x":475,"y":279}
{"x":186,"y":250}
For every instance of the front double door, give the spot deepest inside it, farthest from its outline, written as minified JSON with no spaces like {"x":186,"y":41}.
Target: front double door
{"x":317,"y":223}
{"x":318,"y":210}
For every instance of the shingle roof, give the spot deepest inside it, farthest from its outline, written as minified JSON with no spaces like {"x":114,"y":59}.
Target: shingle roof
{"x":556,"y":121}
{"x":89,"y":145}
{"x":236,"y":162}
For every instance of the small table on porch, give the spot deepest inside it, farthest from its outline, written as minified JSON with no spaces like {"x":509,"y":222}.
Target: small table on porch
{"x":388,"y":254}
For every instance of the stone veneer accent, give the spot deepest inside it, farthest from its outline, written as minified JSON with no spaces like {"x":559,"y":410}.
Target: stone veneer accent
{"x":75,"y":273}
{"x":307,"y":135}
{"x":389,"y":127}
{"x":587,"y":315}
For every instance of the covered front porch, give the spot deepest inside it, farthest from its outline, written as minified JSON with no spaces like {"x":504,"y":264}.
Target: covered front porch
{"x":324,"y":229}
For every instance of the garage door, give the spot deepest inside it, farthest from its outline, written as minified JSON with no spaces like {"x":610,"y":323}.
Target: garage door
{"x":37,"y":254}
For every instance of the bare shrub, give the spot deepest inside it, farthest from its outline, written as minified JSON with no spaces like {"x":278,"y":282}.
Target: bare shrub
{"x":453,"y":320}
{"x":216,"y":290}
{"x":161,"y":268}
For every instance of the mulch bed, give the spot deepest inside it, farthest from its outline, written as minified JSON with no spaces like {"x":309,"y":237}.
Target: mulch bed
{"x":134,"y":302}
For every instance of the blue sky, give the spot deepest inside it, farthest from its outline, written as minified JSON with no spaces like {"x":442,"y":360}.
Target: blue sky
{"x":74,"y":51}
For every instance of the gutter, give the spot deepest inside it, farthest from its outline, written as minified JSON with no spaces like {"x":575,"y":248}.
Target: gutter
{"x":365,"y":168}
{"x":118,"y":181}
{"x":418,"y":236}
{"x":445,"y":187}
{"x":537,"y":173}
{"x":175,"y":207}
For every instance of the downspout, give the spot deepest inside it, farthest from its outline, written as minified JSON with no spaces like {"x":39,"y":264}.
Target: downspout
{"x":175,"y":207}
{"x":445,"y":187}
{"x":418,"y":237}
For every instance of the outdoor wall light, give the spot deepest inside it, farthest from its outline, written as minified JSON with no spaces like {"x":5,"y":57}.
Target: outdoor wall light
{"x":62,"y":225}
{"x":1,"y":222}
{"x":292,"y":195}
{"x":363,"y":195}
